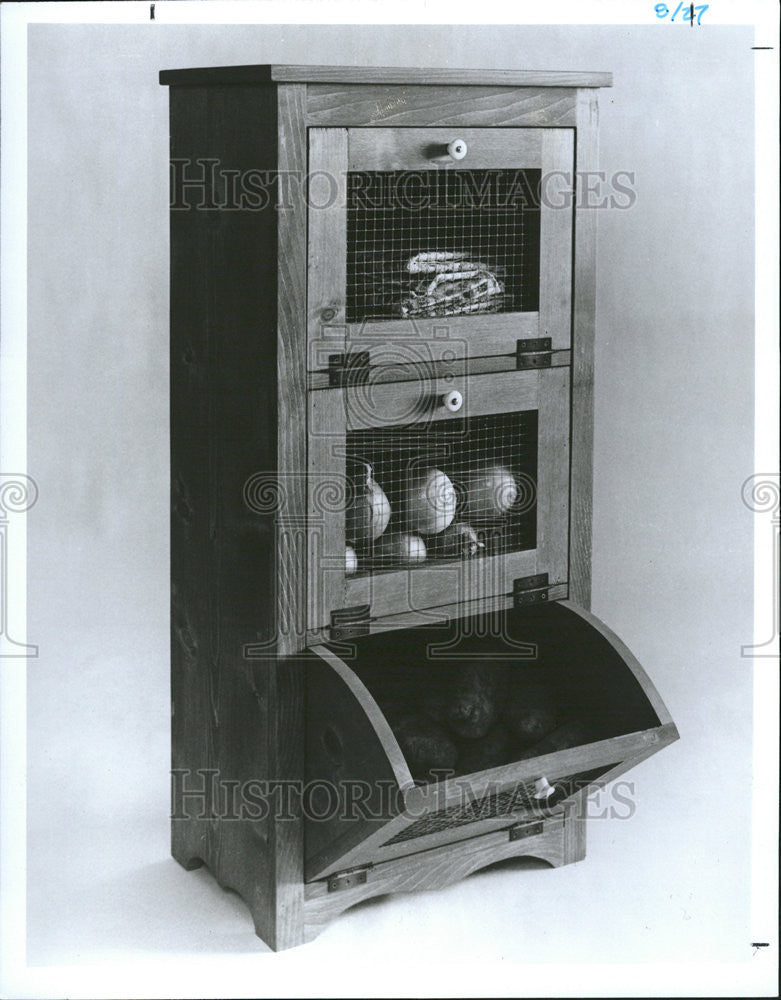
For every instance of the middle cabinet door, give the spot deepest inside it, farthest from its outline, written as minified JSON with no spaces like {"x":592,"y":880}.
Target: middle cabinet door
{"x":430,"y":493}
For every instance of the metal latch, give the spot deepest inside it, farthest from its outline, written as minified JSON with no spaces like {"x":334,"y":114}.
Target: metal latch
{"x":534,"y":353}
{"x":348,"y":623}
{"x":524,"y":830}
{"x":348,"y":369}
{"x":347,"y":880}
{"x":530,"y":590}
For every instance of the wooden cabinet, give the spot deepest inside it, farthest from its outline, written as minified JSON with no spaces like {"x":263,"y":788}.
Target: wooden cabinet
{"x":382,"y":326}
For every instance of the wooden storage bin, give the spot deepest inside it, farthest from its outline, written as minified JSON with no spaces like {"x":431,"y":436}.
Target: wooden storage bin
{"x":320,"y":325}
{"x":607,"y":717}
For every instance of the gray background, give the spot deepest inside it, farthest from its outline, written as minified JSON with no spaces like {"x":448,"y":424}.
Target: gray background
{"x":672,"y":541}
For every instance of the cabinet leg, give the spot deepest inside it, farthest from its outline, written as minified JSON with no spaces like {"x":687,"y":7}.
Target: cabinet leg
{"x":188,"y":863}
{"x":183,"y":852}
{"x":276,"y":906}
{"x":574,"y":833}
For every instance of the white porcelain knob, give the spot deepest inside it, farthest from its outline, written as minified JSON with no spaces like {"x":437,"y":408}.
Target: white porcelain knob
{"x":543,"y":789}
{"x":457,"y":149}
{"x":453,"y":400}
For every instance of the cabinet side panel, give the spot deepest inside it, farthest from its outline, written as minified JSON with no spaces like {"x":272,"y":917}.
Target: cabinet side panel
{"x":583,"y":330}
{"x":292,"y":368}
{"x":291,"y":530}
{"x":223,"y":431}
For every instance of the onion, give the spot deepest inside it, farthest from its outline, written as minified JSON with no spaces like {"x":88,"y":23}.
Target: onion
{"x":491,"y":492}
{"x":458,"y":540}
{"x":369,"y":513}
{"x":429,"y":501}
{"x":399,"y":548}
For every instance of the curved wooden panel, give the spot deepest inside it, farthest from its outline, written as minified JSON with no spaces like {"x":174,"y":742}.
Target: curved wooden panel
{"x":629,"y":659}
{"x":374,"y":716}
{"x":355,"y":770}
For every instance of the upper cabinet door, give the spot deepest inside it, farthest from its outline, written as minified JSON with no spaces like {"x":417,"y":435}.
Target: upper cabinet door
{"x":453,"y":242}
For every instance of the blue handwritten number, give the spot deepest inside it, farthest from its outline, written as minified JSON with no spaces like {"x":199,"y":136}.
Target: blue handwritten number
{"x":662,"y":10}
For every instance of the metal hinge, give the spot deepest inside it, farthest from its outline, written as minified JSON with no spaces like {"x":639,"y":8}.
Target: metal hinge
{"x":524,"y":830}
{"x":348,"y":369}
{"x":530,"y":590}
{"x":533,"y":353}
{"x":347,"y":880}
{"x":347,"y":623}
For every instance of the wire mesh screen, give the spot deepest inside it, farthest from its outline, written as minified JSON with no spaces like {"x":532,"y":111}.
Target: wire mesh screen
{"x":443,"y":490}
{"x":517,"y":802}
{"x":442,"y":243}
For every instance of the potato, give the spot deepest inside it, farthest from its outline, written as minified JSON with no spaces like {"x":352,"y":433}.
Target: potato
{"x":571,"y":734}
{"x":491,"y":750}
{"x":469,"y":704}
{"x":425,"y":744}
{"x":530,"y":710}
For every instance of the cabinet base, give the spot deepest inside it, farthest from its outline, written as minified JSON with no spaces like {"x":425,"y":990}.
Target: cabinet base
{"x":561,"y":841}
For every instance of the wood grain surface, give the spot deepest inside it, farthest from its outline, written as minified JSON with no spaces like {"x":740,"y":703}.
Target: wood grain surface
{"x":583,"y":334}
{"x":265,"y":73}
{"x":553,"y":463}
{"x":290,"y":395}
{"x":238,"y":718}
{"x":489,"y":107}
{"x":223,"y":310}
{"x":287,"y":678}
{"x":414,"y":361}
{"x":556,"y":221}
{"x":426,"y":148}
{"x":421,"y":340}
{"x":327,"y":276}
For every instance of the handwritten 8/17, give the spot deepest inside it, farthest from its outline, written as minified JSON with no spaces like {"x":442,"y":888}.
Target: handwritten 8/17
{"x":690,"y":11}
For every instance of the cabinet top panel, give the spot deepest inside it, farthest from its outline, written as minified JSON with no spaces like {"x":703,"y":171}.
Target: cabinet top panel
{"x":382,"y":74}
